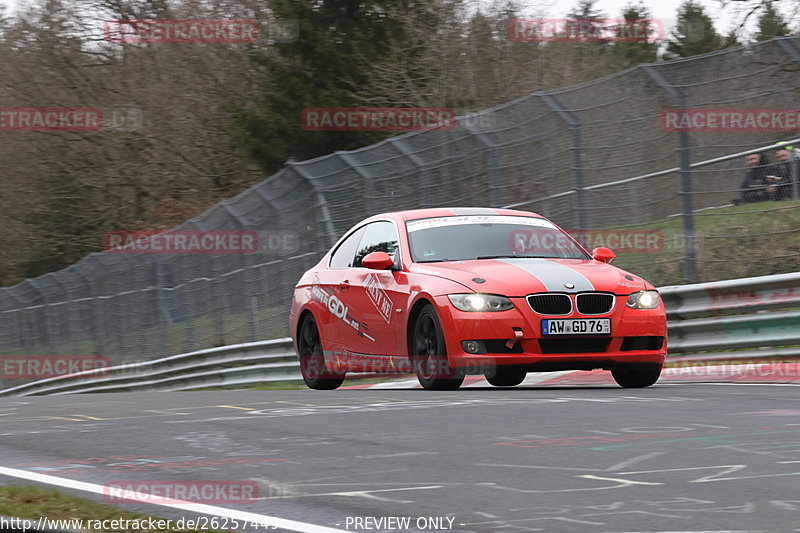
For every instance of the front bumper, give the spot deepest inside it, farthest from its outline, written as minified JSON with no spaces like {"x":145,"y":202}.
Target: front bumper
{"x":561,"y":352}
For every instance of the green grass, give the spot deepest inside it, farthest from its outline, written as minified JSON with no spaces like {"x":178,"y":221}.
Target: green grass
{"x":733,"y":242}
{"x":35,"y":502}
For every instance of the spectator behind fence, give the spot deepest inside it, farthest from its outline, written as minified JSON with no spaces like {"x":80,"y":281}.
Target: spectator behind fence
{"x":754,"y":186}
{"x":782,"y":175}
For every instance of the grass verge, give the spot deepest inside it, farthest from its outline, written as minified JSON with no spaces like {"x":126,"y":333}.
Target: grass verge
{"x":34,"y":502}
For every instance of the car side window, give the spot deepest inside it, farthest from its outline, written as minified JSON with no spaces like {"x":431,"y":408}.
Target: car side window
{"x":343,"y":256}
{"x":378,"y":237}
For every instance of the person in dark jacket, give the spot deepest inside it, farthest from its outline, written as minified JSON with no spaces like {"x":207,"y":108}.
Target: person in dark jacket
{"x":782,"y":176}
{"x":754,"y":186}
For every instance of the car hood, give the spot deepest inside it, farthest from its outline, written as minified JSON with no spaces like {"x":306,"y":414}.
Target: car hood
{"x":521,"y":276}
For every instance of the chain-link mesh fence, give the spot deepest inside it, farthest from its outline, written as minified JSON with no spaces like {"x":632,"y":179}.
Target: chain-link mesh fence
{"x":578,"y":155}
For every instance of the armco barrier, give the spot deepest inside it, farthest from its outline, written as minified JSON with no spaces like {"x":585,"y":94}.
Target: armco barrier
{"x":735,"y":319}
{"x":740,"y":319}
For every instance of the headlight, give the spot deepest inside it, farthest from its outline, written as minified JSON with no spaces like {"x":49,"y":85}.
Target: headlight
{"x":644,"y":300}
{"x":480,"y":302}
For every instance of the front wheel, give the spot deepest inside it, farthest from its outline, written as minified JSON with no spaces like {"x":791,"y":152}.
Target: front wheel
{"x":429,"y":354}
{"x":636,"y":376}
{"x":506,"y":376}
{"x":312,"y":360}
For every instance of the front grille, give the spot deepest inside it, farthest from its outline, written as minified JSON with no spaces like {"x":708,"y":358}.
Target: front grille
{"x":573,"y":345}
{"x":595,"y":303}
{"x":642,"y":343}
{"x":550,"y":304}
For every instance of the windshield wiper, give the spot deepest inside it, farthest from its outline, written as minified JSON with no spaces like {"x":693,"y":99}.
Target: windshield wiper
{"x":433,"y":261}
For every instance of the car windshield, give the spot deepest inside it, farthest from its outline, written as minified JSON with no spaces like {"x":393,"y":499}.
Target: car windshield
{"x":460,"y":238}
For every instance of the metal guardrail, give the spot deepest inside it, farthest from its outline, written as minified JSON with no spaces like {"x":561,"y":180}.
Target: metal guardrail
{"x":237,"y":365}
{"x":728,"y":319}
{"x":740,"y":319}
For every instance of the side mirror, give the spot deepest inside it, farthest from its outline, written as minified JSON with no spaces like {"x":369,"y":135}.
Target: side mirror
{"x":377,"y":261}
{"x":604,"y":255}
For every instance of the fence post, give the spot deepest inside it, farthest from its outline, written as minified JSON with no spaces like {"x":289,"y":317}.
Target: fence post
{"x":25,"y":339}
{"x":165,"y":301}
{"x":322,"y":203}
{"x":492,"y":163}
{"x":685,"y":172}
{"x":98,"y":332}
{"x":44,"y":310}
{"x":424,"y":173}
{"x":578,"y":184}
{"x":366,"y":179}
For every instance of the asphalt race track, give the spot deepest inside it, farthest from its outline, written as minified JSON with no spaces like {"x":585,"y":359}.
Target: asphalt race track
{"x":673,"y":457}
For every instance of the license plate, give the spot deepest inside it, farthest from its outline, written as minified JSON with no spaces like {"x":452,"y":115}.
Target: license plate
{"x":577,"y":326}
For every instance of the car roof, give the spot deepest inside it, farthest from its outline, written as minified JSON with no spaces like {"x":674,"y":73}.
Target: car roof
{"x":413,"y":214}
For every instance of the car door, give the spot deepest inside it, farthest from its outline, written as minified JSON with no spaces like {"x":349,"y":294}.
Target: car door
{"x":331,"y":293}
{"x":376,"y":294}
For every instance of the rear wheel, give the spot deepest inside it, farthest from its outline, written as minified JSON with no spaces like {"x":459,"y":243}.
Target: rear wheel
{"x":636,"y":376}
{"x":312,"y":360}
{"x":506,"y":376}
{"x":429,"y":354}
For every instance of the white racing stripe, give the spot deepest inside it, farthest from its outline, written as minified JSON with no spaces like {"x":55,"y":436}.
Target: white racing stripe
{"x":200,"y":508}
{"x":552,"y":274}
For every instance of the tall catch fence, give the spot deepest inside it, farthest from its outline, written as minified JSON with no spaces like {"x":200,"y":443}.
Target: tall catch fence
{"x":591,"y":156}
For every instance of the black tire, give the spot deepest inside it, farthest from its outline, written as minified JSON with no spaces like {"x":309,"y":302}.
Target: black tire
{"x":429,"y":354}
{"x":312,"y":361}
{"x":506,"y":376}
{"x":636,"y":376}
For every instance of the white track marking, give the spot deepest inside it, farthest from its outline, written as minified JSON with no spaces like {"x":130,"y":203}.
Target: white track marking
{"x":400,"y":384}
{"x":200,"y":508}
{"x":534,"y":378}
{"x":633,"y":461}
{"x":368,"y":494}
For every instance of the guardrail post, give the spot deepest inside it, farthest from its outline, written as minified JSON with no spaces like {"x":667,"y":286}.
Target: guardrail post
{"x":578,"y":183}
{"x":686,"y":192}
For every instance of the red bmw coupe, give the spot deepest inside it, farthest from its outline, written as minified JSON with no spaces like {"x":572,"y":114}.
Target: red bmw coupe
{"x":455,"y":291}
